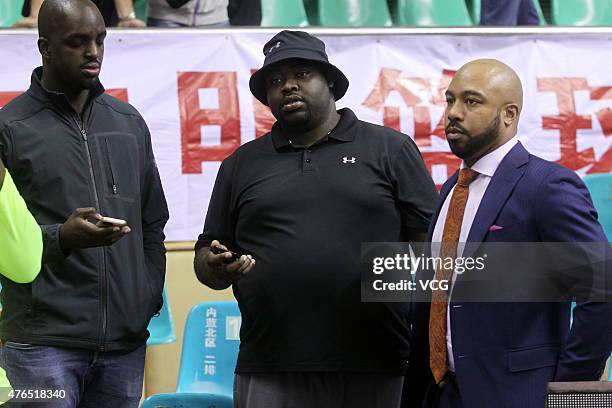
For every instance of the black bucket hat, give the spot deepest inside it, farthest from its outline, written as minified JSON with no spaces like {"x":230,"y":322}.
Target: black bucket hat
{"x":295,"y":44}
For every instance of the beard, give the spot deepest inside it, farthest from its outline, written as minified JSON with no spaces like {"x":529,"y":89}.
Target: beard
{"x":294,"y":120}
{"x":475,"y":143}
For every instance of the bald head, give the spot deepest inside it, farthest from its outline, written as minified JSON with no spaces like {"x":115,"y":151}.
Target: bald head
{"x":55,"y":13}
{"x":496,"y":78}
{"x":484,"y":102}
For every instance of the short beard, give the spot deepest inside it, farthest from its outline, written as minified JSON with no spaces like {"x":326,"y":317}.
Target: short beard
{"x":478,"y":143}
{"x":301,"y":124}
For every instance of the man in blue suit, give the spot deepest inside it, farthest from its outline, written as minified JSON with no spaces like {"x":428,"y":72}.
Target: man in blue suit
{"x":499,"y":354}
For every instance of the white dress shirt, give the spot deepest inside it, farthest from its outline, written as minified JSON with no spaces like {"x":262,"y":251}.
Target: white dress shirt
{"x":486,"y":166}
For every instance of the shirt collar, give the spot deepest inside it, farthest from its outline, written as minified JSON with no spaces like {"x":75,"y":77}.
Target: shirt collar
{"x":488,"y":163}
{"x":38,"y":90}
{"x":343,"y":131}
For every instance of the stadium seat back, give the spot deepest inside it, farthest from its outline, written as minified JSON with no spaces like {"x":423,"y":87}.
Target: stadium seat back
{"x":428,"y":13}
{"x":141,"y":9}
{"x":354,"y":13}
{"x":600,"y":187}
{"x":581,"y":12}
{"x":187,"y":400}
{"x":161,"y":328}
{"x":10,"y":12}
{"x":475,"y":9}
{"x":283,"y":13}
{"x":210,"y":349}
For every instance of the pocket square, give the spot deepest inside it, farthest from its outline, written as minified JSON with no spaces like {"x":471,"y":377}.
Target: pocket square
{"x":495,"y":228}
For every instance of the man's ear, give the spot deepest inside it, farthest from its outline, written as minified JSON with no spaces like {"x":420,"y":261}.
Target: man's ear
{"x":43,"y":47}
{"x":510,"y":114}
{"x":330,"y":85}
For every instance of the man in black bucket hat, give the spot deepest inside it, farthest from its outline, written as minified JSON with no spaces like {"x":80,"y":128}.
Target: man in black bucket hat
{"x":300,"y":201}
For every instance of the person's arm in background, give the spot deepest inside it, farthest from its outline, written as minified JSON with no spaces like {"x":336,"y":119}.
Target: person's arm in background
{"x":127,"y":17}
{"x":20,"y":235}
{"x":30,"y":21}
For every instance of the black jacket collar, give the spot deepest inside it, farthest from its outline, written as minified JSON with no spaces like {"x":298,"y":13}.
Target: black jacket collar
{"x":38,"y":91}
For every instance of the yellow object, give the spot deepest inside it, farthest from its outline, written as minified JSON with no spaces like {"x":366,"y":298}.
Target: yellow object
{"x":5,"y":387}
{"x":20,"y":236}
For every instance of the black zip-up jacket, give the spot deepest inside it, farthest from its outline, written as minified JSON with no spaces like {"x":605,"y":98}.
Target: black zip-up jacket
{"x":96,"y":298}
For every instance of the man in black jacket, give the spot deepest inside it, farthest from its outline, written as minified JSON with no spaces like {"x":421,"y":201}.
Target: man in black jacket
{"x":77,"y":154}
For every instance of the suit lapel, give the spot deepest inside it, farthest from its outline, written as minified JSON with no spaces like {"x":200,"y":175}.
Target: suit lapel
{"x":510,"y":170}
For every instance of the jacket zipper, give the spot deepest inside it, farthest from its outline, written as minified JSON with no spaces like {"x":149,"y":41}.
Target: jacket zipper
{"x":103,"y":290}
{"x":110,"y":165}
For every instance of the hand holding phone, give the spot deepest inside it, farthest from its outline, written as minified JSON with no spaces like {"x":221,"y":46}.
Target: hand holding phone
{"x":217,"y":250}
{"x":86,"y":228}
{"x":220,"y":266}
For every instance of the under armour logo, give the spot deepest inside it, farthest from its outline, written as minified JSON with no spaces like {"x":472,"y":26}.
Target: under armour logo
{"x":272,"y":48}
{"x":346,"y":160}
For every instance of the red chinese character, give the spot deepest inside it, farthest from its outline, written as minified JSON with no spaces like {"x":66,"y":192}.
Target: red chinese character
{"x":193,"y":117}
{"x":567,"y":122}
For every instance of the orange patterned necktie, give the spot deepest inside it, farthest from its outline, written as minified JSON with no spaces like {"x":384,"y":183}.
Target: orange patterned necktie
{"x":439,"y":298}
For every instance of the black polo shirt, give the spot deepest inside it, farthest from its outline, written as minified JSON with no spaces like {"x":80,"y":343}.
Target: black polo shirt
{"x":303,"y":214}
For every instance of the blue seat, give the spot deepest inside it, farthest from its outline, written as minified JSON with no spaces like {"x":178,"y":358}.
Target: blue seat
{"x":600,"y":187}
{"x":283,"y":13}
{"x":581,"y":12}
{"x":161,"y":327}
{"x":10,"y":12}
{"x":202,"y":351}
{"x":188,"y":400}
{"x":210,"y":349}
{"x":354,"y":13}
{"x":431,"y":13}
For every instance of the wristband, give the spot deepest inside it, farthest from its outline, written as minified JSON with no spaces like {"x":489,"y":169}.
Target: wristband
{"x":130,"y":16}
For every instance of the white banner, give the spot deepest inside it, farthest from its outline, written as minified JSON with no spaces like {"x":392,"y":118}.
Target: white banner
{"x":192,"y":89}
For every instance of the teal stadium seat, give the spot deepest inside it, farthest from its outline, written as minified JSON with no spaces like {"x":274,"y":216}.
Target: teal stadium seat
{"x":161,"y":328}
{"x":141,"y":9}
{"x":431,"y":13}
{"x":187,"y":400}
{"x":581,"y":12}
{"x":600,"y":187}
{"x":475,"y":5}
{"x":210,"y":349}
{"x":354,"y":13}
{"x":283,"y":13}
{"x":10,"y":12}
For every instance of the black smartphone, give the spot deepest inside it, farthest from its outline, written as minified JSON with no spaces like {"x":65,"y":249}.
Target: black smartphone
{"x":216,"y":250}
